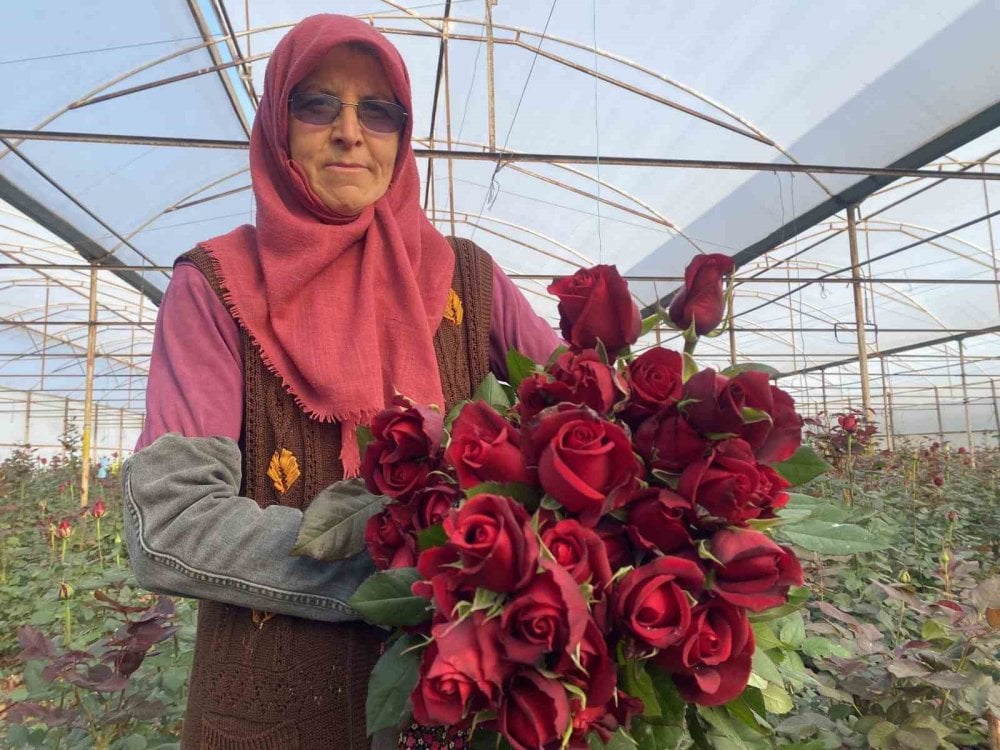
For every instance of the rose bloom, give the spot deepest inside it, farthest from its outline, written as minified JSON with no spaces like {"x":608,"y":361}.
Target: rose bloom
{"x":658,"y":520}
{"x":580,"y":550}
{"x":548,"y":616}
{"x":701,"y":300}
{"x":655,"y":383}
{"x":584,"y":462}
{"x":461,"y":671}
{"x":534,"y":711}
{"x":716,"y":402}
{"x":668,"y":442}
{"x":405,"y":446}
{"x":590,"y":381}
{"x":497,"y":547}
{"x":711,"y":664}
{"x":598,"y":676}
{"x":433,"y":503}
{"x":752,"y":571}
{"x":595,"y":305}
{"x":539,"y":391}
{"x":389,"y":539}
{"x":616,"y":543}
{"x":730,"y":484}
{"x":485,"y":448}
{"x":651,"y":602}
{"x":785,"y":436}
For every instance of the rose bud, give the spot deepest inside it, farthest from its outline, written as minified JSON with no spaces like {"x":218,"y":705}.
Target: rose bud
{"x":537,"y":392}
{"x":548,"y":616}
{"x":730,"y":484}
{"x":485,"y":448}
{"x":598,"y":675}
{"x":952,"y":516}
{"x":496,"y":544}
{"x":534,"y":711}
{"x":657,"y":520}
{"x":938,"y":480}
{"x":701,"y":300}
{"x":591,"y":382}
{"x":710,"y":665}
{"x":441,"y":579}
{"x":64,"y":530}
{"x":66,"y":591}
{"x":580,"y":550}
{"x":99,"y":510}
{"x":848,"y":422}
{"x":963,"y":449}
{"x":752,"y":571}
{"x":405,"y":446}
{"x":461,"y":671}
{"x":655,"y":383}
{"x":668,"y":442}
{"x":433,"y":503}
{"x":785,"y":436}
{"x":651,"y":602}
{"x":595,"y":305}
{"x":584,"y":462}
{"x":389,"y":539}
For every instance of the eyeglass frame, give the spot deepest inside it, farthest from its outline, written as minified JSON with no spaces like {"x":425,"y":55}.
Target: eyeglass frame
{"x":402,"y":111}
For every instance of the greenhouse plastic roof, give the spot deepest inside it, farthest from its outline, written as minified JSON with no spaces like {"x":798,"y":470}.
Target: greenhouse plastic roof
{"x":868,"y":84}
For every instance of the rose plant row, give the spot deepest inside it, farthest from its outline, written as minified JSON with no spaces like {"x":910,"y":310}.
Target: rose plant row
{"x":597,"y":527}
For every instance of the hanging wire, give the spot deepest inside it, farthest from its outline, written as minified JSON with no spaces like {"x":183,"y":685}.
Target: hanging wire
{"x":494,"y":190}
{"x":597,"y":139}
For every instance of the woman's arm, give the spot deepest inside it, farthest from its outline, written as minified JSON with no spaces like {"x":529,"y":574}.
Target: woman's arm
{"x":188,"y":531}
{"x":514,"y":325}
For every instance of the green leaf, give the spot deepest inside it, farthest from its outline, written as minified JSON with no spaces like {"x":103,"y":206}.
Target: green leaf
{"x":792,"y":631}
{"x":453,"y":414}
{"x":740,"y":709}
{"x":636,"y":682}
{"x":804,"y":465}
{"x":655,"y":736}
{"x":385,"y":599}
{"x":755,"y":415}
{"x":602,"y":352}
{"x":333,"y":526}
{"x":831,"y":538}
{"x":733,"y":371}
{"x":391,"y":683}
{"x":797,"y":597}
{"x":559,"y":351}
{"x":916,"y":739}
{"x":764,"y":666}
{"x":765,"y":636}
{"x":525,"y":494}
{"x":518,"y":367}
{"x":492,"y":393}
{"x":432,"y":536}
{"x":880,"y":735}
{"x":777,"y":700}
{"x":670,"y":700}
{"x":649,"y":323}
{"x":364,"y":434}
{"x":690,"y":367}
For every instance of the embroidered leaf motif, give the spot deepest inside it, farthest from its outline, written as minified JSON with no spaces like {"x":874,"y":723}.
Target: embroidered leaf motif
{"x":453,"y":310}
{"x":260,"y":617}
{"x":283,"y":470}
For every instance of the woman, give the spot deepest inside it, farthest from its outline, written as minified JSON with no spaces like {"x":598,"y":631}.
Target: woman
{"x":273,"y":344}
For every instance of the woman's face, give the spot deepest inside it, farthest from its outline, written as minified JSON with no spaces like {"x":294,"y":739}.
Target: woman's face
{"x":348,"y":166}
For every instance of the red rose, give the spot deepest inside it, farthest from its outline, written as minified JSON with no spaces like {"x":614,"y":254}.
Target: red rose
{"x":537,"y":392}
{"x":668,"y":442}
{"x":547,"y":617}
{"x":580,"y":550}
{"x":655,"y":382}
{"x":657,"y":520}
{"x":785,"y":436}
{"x":616,"y":543}
{"x":752,"y":571}
{"x":595,"y":304}
{"x":534,"y":711}
{"x":433,"y":503}
{"x":715,"y":402}
{"x":584,"y":462}
{"x":849,"y":423}
{"x":651,"y":602}
{"x":484,"y":448}
{"x":591,"y":668}
{"x":496,"y":544}
{"x":461,"y":671}
{"x":730,"y":484}
{"x":701,"y":300}
{"x":442,"y":581}
{"x":591,"y":382}
{"x":389,"y":538}
{"x":711,"y":663}
{"x":404,"y":449}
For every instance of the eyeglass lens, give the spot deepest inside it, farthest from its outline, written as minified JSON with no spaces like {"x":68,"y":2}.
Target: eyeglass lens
{"x":322,"y":109}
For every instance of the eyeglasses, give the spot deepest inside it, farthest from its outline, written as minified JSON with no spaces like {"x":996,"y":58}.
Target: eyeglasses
{"x":317,"y":108}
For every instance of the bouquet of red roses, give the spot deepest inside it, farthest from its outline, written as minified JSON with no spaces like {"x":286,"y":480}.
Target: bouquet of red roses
{"x":587,"y":533}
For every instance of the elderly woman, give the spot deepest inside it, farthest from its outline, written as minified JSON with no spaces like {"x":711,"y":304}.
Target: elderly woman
{"x":273,"y":344}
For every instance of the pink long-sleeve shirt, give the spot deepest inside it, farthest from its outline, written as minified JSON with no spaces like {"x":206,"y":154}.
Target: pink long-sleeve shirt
{"x":195,"y":385}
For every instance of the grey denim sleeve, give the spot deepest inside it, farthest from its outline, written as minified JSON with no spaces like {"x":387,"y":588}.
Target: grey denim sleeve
{"x":190,"y":534}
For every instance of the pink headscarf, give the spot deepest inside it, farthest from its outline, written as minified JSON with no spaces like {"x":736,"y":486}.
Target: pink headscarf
{"x":344,"y":309}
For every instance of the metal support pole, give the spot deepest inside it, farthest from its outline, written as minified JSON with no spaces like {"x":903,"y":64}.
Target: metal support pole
{"x":989,"y":229}
{"x":965,"y":402}
{"x":45,"y":340}
{"x":886,"y":407}
{"x":88,"y":399}
{"x":491,"y":109}
{"x":940,"y":420}
{"x":65,"y":416}
{"x":996,"y":408}
{"x":859,"y":310}
{"x":447,"y":125}
{"x":27,"y":418}
{"x":822,"y":383}
{"x":890,"y":422}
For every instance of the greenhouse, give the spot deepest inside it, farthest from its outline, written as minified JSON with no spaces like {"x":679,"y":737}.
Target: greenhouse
{"x":845,"y":157}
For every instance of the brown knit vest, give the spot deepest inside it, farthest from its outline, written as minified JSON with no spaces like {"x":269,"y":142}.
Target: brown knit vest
{"x":263,"y":682}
